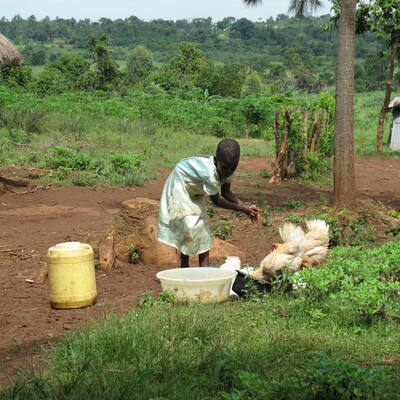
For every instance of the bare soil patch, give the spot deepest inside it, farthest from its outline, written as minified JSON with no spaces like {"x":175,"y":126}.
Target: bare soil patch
{"x":35,"y":217}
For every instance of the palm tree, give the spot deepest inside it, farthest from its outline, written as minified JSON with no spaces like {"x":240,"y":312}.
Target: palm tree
{"x":344,"y":190}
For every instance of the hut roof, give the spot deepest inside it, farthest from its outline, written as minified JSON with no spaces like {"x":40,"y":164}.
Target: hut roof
{"x":394,"y":103}
{"x":8,"y":53}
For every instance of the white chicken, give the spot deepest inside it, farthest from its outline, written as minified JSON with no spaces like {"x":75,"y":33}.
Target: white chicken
{"x":316,"y":243}
{"x":298,"y":251}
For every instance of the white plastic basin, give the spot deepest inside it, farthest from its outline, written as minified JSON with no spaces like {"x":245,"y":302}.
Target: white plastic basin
{"x":207,"y":285}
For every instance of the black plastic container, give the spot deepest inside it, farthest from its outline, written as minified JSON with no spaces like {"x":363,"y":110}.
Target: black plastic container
{"x":246,"y":283}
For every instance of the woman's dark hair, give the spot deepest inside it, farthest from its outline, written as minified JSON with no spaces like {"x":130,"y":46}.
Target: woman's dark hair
{"x":229,"y":150}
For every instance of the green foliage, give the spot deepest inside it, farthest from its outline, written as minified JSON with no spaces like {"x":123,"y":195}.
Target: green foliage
{"x":253,"y":84}
{"x":395,"y":229}
{"x":139,"y":64}
{"x":75,"y":72}
{"x":50,"y":81}
{"x":243,"y":29}
{"x":149,"y":300}
{"x":133,"y":254}
{"x":85,"y":178}
{"x":106,"y":68}
{"x":295,"y":219}
{"x":28,"y":120}
{"x":258,"y":113}
{"x":67,"y":158}
{"x":372,"y":73}
{"x":333,"y":379}
{"x":189,"y":69}
{"x":326,"y":378}
{"x":38,"y":57}
{"x":366,"y":280}
{"x":182,"y":71}
{"x":293,"y":204}
{"x":230,"y":80}
{"x":124,"y":162}
{"x":222,"y":229}
{"x":15,"y":76}
{"x":345,"y":232}
{"x":304,"y":136}
{"x":70,"y":65}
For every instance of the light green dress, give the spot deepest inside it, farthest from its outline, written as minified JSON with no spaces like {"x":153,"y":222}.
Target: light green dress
{"x":183,"y":220}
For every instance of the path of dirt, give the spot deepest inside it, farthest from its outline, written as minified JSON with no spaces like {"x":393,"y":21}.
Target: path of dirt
{"x":32,"y":219}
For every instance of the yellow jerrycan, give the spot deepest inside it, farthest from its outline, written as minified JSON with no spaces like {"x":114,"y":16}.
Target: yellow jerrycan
{"x":72,"y":278}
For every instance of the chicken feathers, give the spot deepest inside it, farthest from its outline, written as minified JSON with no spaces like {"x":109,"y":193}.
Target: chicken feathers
{"x":287,"y":255}
{"x":298,"y":251}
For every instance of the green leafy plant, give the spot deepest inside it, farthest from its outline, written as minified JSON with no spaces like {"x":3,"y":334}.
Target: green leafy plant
{"x":149,"y":300}
{"x":133,"y":253}
{"x":212,"y":211}
{"x":364,"y":281}
{"x":335,"y":379}
{"x":66,"y":157}
{"x":124,"y":162}
{"x":223,"y":229}
{"x":395,"y":229}
{"x":85,"y":178}
{"x":252,"y":290}
{"x":265,"y":174}
{"x":344,"y":231}
{"x":295,"y":219}
{"x":293,"y":204}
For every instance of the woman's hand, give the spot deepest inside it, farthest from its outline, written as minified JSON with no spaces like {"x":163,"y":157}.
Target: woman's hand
{"x":254,"y":213}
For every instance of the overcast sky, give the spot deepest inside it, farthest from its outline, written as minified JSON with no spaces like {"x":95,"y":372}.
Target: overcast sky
{"x":145,"y":9}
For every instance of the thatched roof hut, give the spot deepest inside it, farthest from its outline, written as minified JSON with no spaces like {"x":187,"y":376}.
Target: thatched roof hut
{"x":8,"y":53}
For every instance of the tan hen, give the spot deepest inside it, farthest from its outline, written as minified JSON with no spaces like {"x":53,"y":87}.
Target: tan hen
{"x":298,"y":251}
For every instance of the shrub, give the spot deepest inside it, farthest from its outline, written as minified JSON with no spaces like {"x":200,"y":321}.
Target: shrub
{"x":335,"y":379}
{"x":74,"y":69}
{"x":50,"y":81}
{"x":66,"y":157}
{"x":124,"y":162}
{"x":363,"y":280}
{"x":15,"y":76}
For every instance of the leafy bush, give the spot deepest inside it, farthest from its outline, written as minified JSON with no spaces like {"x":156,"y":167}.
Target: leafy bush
{"x":364,"y":280}
{"x":66,"y":157}
{"x":335,"y":379}
{"x":50,"y":81}
{"x":126,"y":162}
{"x":75,"y":71}
{"x":14,"y":76}
{"x":326,"y":378}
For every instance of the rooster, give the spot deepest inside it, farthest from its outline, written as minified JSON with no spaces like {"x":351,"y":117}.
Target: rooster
{"x":298,"y":251}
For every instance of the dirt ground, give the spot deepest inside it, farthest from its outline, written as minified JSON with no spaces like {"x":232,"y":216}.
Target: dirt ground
{"x":34,"y":218}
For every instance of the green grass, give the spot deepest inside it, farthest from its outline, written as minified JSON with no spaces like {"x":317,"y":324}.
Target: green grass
{"x":326,"y":339}
{"x":367,"y":107}
{"x":176,"y":351}
{"x":269,"y":347}
{"x":159,"y":130}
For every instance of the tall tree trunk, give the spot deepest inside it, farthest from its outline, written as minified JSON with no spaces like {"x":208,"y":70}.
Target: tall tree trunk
{"x":389,"y":88}
{"x":344,"y":190}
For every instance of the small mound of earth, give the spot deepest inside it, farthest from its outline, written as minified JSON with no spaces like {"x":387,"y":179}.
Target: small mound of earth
{"x":377,"y":213}
{"x":136,"y":223}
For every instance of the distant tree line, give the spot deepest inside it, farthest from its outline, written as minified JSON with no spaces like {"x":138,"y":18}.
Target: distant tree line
{"x":218,"y":40}
{"x":232,"y":57}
